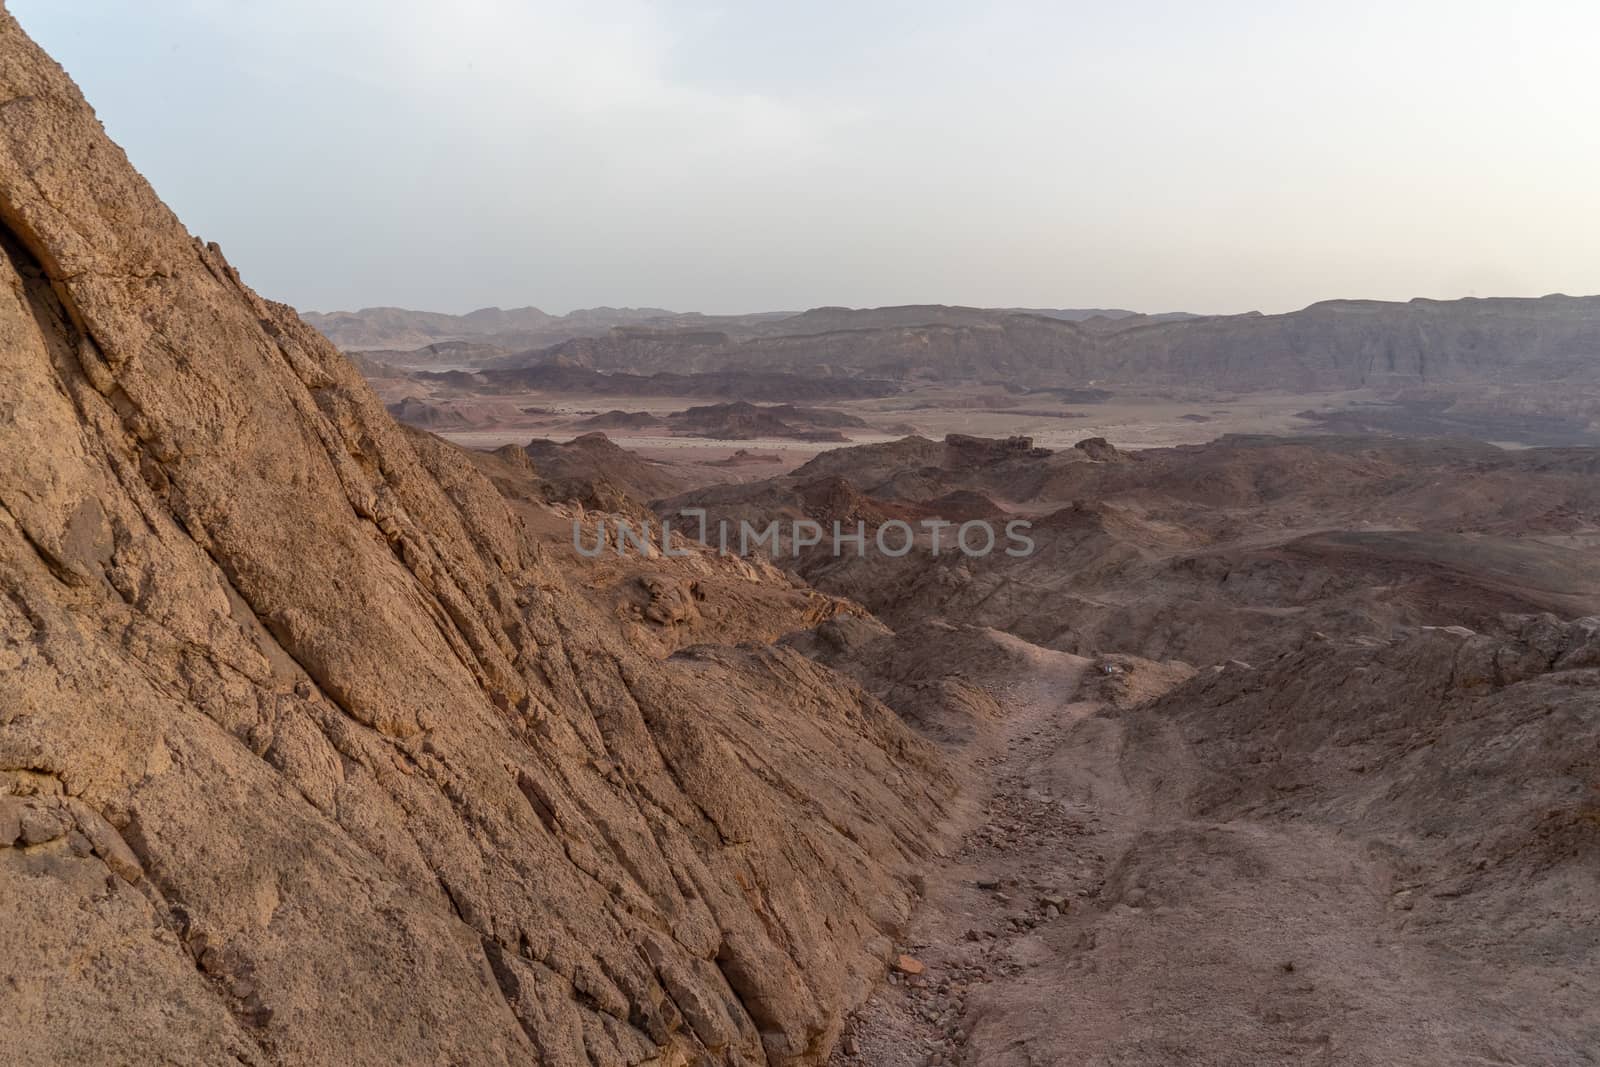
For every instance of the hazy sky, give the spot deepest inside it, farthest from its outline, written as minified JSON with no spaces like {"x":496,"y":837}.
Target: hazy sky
{"x":1214,"y":156}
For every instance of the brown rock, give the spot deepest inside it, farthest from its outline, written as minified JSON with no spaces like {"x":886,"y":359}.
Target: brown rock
{"x":1097,"y":448}
{"x":42,"y":823}
{"x":106,"y":842}
{"x":909,"y":965}
{"x":10,"y":821}
{"x":307,"y":657}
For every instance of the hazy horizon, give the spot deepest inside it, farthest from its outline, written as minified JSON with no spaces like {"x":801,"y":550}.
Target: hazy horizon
{"x":914,"y":303}
{"x":731,"y":159}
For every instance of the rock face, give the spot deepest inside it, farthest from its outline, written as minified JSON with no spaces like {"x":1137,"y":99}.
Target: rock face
{"x":308,"y":754}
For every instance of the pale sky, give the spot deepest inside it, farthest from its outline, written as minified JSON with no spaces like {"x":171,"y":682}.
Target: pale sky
{"x":724,"y":157}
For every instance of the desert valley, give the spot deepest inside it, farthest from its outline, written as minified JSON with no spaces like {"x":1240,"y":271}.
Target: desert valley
{"x":1259,"y":738}
{"x":322,"y":742}
{"x":1515,"y":372}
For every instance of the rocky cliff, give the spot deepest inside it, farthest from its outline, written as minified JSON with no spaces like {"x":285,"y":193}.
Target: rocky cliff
{"x":309,"y":754}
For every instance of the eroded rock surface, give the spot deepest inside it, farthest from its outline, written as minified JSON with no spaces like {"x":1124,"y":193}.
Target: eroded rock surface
{"x":309,"y":754}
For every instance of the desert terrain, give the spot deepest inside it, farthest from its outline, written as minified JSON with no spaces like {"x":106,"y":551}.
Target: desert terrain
{"x":1223,"y":742}
{"x":1517,"y":373}
{"x":323,"y":739}
{"x":1275,"y":749}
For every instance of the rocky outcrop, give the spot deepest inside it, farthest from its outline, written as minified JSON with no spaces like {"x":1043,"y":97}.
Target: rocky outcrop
{"x":598,"y":473}
{"x":1097,"y":448}
{"x":308,"y":754}
{"x":962,"y":451}
{"x":414,"y":411}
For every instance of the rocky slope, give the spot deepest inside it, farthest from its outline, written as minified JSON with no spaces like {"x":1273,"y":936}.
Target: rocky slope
{"x":309,"y":752}
{"x":1364,"y":852}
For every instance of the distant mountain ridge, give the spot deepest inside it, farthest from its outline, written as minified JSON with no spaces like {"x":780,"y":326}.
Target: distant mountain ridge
{"x":402,"y":330}
{"x":1337,"y":344}
{"x":1334,"y":344}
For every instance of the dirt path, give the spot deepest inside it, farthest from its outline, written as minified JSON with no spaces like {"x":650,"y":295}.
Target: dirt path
{"x":1028,"y":856}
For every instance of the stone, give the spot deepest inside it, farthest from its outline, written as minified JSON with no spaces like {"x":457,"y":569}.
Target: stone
{"x":10,"y":821}
{"x":909,"y":965}
{"x":41,"y":824}
{"x":106,"y":842}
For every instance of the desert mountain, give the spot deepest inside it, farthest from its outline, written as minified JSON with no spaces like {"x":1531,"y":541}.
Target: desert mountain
{"x":420,"y":338}
{"x":310,"y":752}
{"x":1336,"y":344}
{"x":445,"y":336}
{"x":1534,"y":344}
